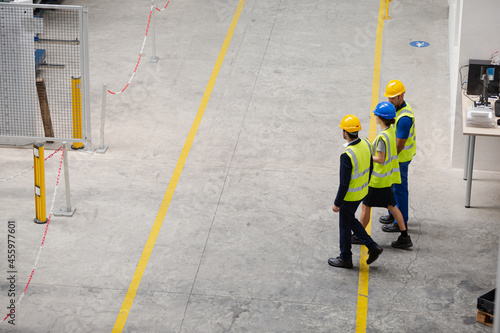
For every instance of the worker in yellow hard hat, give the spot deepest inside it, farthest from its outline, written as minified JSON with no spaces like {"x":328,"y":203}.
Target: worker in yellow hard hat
{"x":406,"y":148}
{"x":356,"y":164}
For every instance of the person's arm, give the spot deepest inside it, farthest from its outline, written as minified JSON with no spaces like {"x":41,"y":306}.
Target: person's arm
{"x":371,"y":168}
{"x":345,"y":179}
{"x":380,"y":156}
{"x":400,"y":144}
{"x":403,"y":132}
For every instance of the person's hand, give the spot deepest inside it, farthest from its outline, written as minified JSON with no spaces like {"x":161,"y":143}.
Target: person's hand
{"x":335,"y":209}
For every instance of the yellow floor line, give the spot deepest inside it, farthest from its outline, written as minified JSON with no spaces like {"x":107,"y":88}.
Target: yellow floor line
{"x":364,"y":271}
{"x":148,"y":248}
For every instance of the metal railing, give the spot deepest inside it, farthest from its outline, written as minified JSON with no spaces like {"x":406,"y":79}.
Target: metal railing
{"x":43,"y":48}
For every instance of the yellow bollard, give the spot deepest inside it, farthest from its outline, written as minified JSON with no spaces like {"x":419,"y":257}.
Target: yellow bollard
{"x":39,"y":167}
{"x":76,"y":103}
{"x":387,"y":17}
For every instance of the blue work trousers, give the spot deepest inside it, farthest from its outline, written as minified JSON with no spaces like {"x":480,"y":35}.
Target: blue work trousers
{"x":348,"y":222}
{"x":401,"y":191}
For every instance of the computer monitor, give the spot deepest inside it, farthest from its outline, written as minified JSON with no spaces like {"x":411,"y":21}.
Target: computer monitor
{"x":480,"y":84}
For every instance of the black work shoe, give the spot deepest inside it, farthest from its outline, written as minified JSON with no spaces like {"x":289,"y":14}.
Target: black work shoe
{"x":373,"y":254}
{"x":355,"y":240}
{"x":386,"y":219}
{"x":402,"y":243}
{"x":339,"y":262}
{"x":393,"y":227}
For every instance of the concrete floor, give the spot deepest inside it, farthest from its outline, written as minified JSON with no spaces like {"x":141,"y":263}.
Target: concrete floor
{"x":246,"y":238}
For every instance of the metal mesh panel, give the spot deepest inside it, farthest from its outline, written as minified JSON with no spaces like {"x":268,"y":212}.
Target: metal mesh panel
{"x":40,"y":71}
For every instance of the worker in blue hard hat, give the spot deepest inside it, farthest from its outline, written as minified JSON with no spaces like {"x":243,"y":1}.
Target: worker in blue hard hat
{"x":385,"y":173}
{"x":406,"y":144}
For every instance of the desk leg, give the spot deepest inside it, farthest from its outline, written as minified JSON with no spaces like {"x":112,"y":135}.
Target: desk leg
{"x":467,"y":148}
{"x":470,"y":167}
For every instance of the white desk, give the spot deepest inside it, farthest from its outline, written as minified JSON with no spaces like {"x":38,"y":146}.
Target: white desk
{"x":472,"y":132}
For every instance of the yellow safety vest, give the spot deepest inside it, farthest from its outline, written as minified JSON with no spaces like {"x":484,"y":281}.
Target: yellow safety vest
{"x":360,"y":155}
{"x":410,"y":148}
{"x":386,"y":174}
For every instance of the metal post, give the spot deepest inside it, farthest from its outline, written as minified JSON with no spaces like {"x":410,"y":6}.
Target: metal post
{"x":470,"y":168}
{"x":68,"y":211}
{"x":154,"y":57}
{"x":86,"y":79}
{"x":467,"y":147}
{"x":102,"y":149}
{"x":39,"y":169}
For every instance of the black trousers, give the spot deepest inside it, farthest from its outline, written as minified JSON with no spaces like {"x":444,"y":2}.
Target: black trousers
{"x":350,"y":224}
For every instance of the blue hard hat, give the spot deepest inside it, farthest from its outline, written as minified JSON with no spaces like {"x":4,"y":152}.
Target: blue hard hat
{"x":385,"y":110}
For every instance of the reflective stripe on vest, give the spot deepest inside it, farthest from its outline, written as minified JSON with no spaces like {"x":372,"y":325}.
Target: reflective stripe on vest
{"x":410,"y":147}
{"x":360,"y":155}
{"x":390,"y":154}
{"x":387,"y":173}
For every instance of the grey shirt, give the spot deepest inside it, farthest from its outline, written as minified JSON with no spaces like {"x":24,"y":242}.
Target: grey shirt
{"x":381,"y":144}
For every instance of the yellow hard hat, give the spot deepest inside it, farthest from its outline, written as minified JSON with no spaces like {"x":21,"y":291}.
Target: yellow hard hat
{"x":350,"y":123}
{"x":394,"y":88}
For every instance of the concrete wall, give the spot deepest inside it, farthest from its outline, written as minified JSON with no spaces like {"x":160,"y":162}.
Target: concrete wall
{"x":474,"y":34}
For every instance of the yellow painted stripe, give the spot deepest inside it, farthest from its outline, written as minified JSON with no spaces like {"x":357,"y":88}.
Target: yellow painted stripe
{"x":364,"y":271}
{"x":376,"y":69}
{"x":148,"y":248}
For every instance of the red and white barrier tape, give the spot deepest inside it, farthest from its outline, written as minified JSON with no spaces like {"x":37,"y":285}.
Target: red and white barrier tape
{"x":24,"y":171}
{"x":160,"y":10}
{"x":142,"y":50}
{"x":44,"y":235}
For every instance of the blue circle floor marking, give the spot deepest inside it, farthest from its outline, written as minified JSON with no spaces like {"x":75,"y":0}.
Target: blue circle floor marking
{"x":419,"y":44}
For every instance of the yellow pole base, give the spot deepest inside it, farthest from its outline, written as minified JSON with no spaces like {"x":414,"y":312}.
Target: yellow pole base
{"x":39,"y":170}
{"x":387,"y":17}
{"x":76,"y":103}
